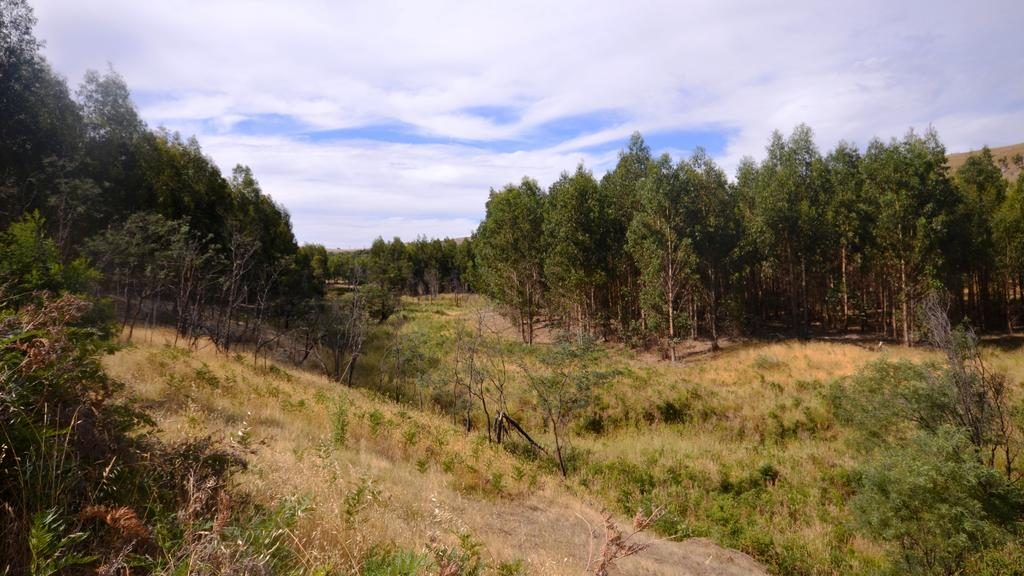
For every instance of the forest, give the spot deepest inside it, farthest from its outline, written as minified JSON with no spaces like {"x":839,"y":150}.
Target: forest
{"x":116,"y":233}
{"x":799,"y":243}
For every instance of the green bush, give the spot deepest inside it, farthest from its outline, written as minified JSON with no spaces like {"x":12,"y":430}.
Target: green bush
{"x":672,"y":412}
{"x":936,"y":502}
{"x":1005,"y":561}
{"x":31,"y":264}
{"x":51,"y":550}
{"x":888,"y":400}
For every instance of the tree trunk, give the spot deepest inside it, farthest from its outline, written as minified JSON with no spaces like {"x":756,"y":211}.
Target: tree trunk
{"x":1009,"y":307}
{"x":558,"y":450}
{"x":905,"y":302}
{"x":844,"y":288}
{"x":804,"y":321}
{"x":793,"y":306}
{"x":714,"y":310}
{"x":671,"y":318}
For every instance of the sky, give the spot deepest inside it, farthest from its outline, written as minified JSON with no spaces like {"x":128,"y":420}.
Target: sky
{"x":370,"y":118}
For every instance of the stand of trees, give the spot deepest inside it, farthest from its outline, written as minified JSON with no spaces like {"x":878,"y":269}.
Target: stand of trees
{"x":800,"y":242}
{"x":655,"y":251}
{"x":86,"y":185}
{"x":423,"y":267}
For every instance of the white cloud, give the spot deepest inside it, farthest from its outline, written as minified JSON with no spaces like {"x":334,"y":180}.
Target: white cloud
{"x":344,"y":194}
{"x":850,"y":70}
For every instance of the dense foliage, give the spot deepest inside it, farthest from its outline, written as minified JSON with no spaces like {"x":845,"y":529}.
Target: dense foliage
{"x":801,"y":242}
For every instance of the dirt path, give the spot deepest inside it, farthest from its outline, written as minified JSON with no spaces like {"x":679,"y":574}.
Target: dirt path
{"x":562,"y":535}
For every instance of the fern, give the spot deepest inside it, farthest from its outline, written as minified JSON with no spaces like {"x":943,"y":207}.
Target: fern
{"x":51,"y":552}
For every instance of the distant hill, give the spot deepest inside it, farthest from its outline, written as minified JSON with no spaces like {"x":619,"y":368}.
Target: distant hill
{"x":1010,"y":169}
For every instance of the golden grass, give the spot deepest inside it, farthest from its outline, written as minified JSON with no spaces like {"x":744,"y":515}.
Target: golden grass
{"x":957,"y":160}
{"x":403,"y":478}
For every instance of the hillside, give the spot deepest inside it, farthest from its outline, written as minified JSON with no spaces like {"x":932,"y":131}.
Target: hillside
{"x":1000,"y":154}
{"x":375,"y":477}
{"x":740,"y":447}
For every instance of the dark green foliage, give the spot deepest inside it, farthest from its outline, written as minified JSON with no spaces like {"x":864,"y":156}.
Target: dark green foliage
{"x":801,"y":242}
{"x":173,"y":235}
{"x":937,"y":503}
{"x":659,"y":243}
{"x":30,"y":263}
{"x":510,"y":252}
{"x":51,"y":546}
{"x":575,"y":243}
{"x":941,"y":483}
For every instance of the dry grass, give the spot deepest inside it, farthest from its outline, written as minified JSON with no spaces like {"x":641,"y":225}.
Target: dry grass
{"x":404,"y":477}
{"x":400,"y":478}
{"x":957,"y":160}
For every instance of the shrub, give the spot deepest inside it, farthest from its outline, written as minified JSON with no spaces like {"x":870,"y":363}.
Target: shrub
{"x":886,"y":398}
{"x":936,"y":501}
{"x":1005,"y":561}
{"x":30,"y":263}
{"x":339,"y":425}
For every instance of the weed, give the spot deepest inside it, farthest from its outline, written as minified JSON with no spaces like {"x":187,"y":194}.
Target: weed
{"x":395,"y":562}
{"x":51,"y":550}
{"x":293,"y":406}
{"x":377,"y":421}
{"x":203,"y":376}
{"x":410,"y":435}
{"x":359,"y":497}
{"x":339,"y":425}
{"x":511,"y":568}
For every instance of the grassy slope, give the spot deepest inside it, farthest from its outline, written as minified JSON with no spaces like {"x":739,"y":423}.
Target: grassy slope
{"x":957,"y":160}
{"x":740,"y":445}
{"x":401,"y":479}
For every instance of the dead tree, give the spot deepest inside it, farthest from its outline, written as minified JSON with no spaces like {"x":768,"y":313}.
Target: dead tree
{"x":241,"y":252}
{"x":981,"y":397}
{"x":618,"y":544}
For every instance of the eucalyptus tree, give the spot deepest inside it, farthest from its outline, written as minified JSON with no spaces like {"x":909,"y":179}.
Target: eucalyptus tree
{"x":139,"y":259}
{"x":916,"y":209}
{"x":621,"y":191}
{"x":788,"y":214}
{"x":510,"y":251}
{"x":41,"y":127}
{"x":659,"y":243}
{"x":982,"y":191}
{"x":713,"y":227}
{"x":576,"y":247}
{"x":749,"y":258}
{"x":1008,"y":241}
{"x":849,"y":214}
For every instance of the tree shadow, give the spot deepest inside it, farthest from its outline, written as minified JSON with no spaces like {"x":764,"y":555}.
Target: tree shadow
{"x":1004,"y":342}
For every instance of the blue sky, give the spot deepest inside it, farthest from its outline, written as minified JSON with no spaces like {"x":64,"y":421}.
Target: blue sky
{"x":394,"y":118}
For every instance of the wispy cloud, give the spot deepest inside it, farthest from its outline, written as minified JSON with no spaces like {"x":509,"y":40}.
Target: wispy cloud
{"x":385,"y":118}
